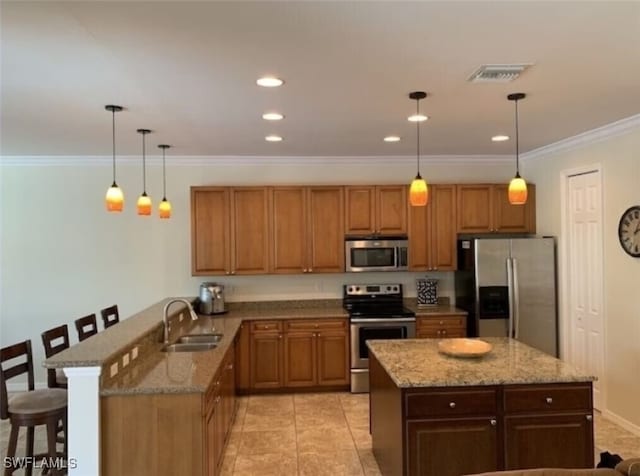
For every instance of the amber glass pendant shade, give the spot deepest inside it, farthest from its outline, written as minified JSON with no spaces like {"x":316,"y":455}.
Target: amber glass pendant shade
{"x":418,"y":192}
{"x":144,"y":204}
{"x":517,"y":191}
{"x":114,"y":199}
{"x":164,"y":209}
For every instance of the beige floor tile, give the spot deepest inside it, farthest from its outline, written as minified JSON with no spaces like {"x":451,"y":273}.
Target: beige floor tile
{"x":361,"y":437}
{"x":262,"y":442}
{"x":254,"y":422}
{"x":314,"y":420}
{"x":343,"y":463}
{"x":282,"y":464}
{"x":233,"y":444}
{"x":357,"y":418}
{"x":270,"y":405}
{"x":313,"y":399}
{"x":369,"y":463}
{"x":228,"y":463}
{"x":324,"y":440}
{"x":353,"y":401}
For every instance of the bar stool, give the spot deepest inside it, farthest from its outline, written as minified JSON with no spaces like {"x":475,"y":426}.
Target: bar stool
{"x":55,"y":377}
{"x":32,"y":408}
{"x":110,"y":316}
{"x":86,"y":326}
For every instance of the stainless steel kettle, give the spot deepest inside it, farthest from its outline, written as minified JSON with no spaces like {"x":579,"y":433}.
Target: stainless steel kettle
{"x":211,"y":298}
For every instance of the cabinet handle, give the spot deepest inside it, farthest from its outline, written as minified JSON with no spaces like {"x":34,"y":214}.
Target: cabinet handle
{"x":217,"y":383}
{"x":452,"y":404}
{"x":230,"y":367}
{"x":441,"y":322}
{"x":315,"y":325}
{"x":444,"y":332}
{"x":280,"y":336}
{"x":304,"y":270}
{"x":589,"y":417}
{"x":435,"y":269}
{"x":217,"y":399}
{"x":227,"y":272}
{"x":233,"y":272}
{"x":493,"y":422}
{"x":311,"y":270}
{"x":549,"y":400}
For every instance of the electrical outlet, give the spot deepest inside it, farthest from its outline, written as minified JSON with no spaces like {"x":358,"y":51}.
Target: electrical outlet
{"x":134,"y":353}
{"x":125,"y":360}
{"x":114,"y":369}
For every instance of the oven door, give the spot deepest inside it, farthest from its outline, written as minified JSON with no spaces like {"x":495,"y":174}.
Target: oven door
{"x":363,"y":330}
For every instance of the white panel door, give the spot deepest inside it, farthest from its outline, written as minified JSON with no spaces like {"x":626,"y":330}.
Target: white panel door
{"x":584,"y":247}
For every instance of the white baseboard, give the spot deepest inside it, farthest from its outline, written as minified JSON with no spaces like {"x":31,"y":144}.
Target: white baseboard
{"x":618,"y":420}
{"x":22,"y":387}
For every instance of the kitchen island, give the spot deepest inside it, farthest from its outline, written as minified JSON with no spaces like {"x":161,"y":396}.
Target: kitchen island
{"x":515,"y":408}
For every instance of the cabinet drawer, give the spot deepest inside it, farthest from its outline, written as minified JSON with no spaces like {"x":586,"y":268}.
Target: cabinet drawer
{"x":439,"y":322}
{"x":440,"y":333}
{"x":315,"y":324}
{"x":266,"y":326}
{"x":547,"y":398}
{"x":451,"y":403}
{"x":212,"y":393}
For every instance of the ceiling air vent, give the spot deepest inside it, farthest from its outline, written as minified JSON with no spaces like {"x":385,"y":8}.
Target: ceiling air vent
{"x":497,"y":73}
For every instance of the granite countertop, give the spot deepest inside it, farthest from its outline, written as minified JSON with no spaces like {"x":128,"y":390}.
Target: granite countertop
{"x":417,"y":363}
{"x":440,"y":309}
{"x":155,"y":371}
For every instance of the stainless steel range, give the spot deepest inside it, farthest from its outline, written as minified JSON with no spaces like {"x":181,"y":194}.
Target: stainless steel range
{"x":375,"y":311}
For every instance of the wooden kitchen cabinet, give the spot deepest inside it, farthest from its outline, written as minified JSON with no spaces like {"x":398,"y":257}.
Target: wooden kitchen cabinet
{"x":229,"y":230}
{"x":307,"y":230}
{"x":298,"y":353}
{"x":380,"y":209}
{"x":443,"y":326}
{"x":485,"y":208}
{"x":432,"y":231}
{"x":540,"y":419}
{"x":242,"y":360}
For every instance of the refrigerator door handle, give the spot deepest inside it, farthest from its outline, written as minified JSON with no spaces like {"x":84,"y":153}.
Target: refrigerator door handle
{"x":516,"y":298}
{"x":511,"y":297}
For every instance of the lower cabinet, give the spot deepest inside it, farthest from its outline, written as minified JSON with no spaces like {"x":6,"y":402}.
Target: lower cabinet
{"x":299,"y":353}
{"x":442,"y":326}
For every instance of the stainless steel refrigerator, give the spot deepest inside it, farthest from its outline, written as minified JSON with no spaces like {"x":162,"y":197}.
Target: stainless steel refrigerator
{"x":508,"y":287}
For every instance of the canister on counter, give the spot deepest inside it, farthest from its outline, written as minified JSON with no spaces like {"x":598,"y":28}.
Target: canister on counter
{"x":427,"y":292}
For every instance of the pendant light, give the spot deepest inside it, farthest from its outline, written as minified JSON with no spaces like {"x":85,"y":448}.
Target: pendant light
{"x":114,"y":199}
{"x":418,"y":192}
{"x":144,"y":201}
{"x":517,"y":186}
{"x":164,"y":209}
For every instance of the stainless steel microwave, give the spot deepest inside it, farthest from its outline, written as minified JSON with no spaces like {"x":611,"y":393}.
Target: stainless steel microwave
{"x":376,"y":253}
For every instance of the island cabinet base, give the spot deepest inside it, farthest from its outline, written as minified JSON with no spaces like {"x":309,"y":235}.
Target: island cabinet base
{"x":453,"y":431}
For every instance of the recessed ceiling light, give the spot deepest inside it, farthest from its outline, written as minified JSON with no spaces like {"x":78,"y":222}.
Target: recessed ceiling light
{"x":500,"y":138}
{"x":273,"y":138}
{"x":417,"y":118}
{"x":392,"y":139}
{"x":272,"y":116}
{"x":269,"y":82}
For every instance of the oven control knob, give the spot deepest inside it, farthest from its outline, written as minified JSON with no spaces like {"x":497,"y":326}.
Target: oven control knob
{"x":357,"y":288}
{"x":388,"y":288}
{"x":350,"y":289}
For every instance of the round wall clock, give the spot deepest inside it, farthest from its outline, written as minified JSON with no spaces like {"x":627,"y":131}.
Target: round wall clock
{"x":629,"y":231}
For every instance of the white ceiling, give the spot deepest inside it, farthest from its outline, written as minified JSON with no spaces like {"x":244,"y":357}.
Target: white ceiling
{"x":187,"y":70}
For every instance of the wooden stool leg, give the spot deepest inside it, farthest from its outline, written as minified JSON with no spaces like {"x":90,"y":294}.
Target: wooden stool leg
{"x":66,"y":436}
{"x":29,"y":449}
{"x":11,"y":449}
{"x":52,"y":430}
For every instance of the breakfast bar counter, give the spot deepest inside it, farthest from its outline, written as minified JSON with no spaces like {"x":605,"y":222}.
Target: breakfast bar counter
{"x":513,"y":408}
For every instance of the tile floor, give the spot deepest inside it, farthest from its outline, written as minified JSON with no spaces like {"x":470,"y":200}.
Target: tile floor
{"x":319,"y":434}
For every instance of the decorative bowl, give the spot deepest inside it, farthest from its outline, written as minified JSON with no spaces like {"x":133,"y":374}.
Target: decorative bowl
{"x":466,"y":348}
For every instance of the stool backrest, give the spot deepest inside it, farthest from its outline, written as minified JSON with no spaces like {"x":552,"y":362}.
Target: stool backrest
{"x":22,"y":349}
{"x":110,"y":316}
{"x":61,"y":334}
{"x":86,"y":326}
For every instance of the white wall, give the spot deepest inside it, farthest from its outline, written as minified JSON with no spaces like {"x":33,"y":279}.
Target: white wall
{"x":63,"y":256}
{"x":620,"y":160}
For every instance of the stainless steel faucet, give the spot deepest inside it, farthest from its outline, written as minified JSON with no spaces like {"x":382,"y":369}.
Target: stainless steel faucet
{"x":165,"y":316}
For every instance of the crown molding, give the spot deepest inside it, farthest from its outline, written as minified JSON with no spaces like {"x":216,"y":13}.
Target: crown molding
{"x":249,"y":161}
{"x":585,"y":138}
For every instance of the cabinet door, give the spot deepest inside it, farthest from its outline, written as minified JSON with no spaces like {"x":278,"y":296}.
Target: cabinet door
{"x":513,"y":218}
{"x":325,"y":229}
{"x":533,"y":442}
{"x":452,"y":447}
{"x":266,"y":360}
{"x":299,"y":359}
{"x":250,"y":230}
{"x":213,"y":445}
{"x":442,"y":220}
{"x":474,"y":208}
{"x":209,"y":231}
{"x":333,"y":358}
{"x":391,"y":209}
{"x":229,"y":391}
{"x":360,"y":218}
{"x":243,"y":362}
{"x":288,"y":224}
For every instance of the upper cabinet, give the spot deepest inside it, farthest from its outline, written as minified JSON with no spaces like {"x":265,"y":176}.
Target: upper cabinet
{"x":485,"y":208}
{"x":432,"y":231}
{"x":378,"y":209}
{"x":229,"y":230}
{"x":308,"y":230}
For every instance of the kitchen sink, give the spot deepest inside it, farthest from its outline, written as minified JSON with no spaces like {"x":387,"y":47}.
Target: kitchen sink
{"x":200,"y":339}
{"x":189,"y":346}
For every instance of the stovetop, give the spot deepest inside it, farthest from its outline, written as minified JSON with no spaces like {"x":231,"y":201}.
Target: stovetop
{"x":375,"y":301}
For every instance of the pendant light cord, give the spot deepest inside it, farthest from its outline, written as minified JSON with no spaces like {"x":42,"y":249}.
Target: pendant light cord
{"x":164,"y":176}
{"x":418,"y":136}
{"x":517,"y":143}
{"x":113,"y":136}
{"x":144,"y":168}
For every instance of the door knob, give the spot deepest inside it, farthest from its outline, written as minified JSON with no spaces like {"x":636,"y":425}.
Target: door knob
{"x":493,"y":422}
{"x":549,"y":400}
{"x":452,"y":404}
